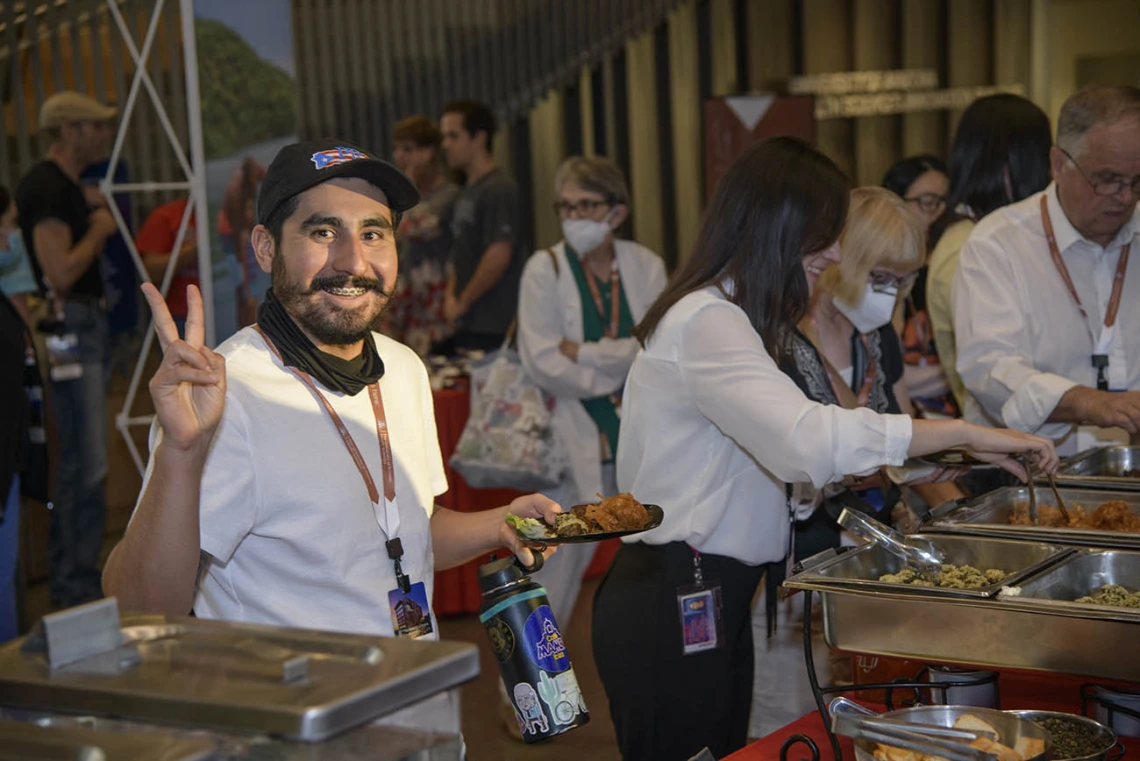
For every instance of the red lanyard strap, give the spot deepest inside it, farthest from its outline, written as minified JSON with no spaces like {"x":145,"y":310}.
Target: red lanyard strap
{"x":1059,"y":263}
{"x":615,"y":298}
{"x":346,"y":436}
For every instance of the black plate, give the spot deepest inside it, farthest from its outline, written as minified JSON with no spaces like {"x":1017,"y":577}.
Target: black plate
{"x":656,"y":515}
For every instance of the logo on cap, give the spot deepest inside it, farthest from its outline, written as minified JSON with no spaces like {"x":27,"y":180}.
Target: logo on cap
{"x":334,"y":156}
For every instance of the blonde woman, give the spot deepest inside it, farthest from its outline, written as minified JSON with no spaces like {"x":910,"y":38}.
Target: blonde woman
{"x":846,"y":352}
{"x":577,"y":303}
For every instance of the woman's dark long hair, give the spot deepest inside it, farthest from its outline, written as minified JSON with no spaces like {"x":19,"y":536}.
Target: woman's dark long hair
{"x":996,"y":135}
{"x":904,"y":172}
{"x":779,"y":201}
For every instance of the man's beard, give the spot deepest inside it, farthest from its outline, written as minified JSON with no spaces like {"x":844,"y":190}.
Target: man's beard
{"x":330,"y":326}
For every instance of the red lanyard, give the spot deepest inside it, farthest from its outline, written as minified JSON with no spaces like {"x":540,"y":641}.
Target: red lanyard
{"x":349,"y":443}
{"x":615,"y":298}
{"x":1059,"y":263}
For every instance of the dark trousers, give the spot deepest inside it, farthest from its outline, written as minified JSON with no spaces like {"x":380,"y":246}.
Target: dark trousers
{"x":666,"y":705}
{"x":80,"y":499}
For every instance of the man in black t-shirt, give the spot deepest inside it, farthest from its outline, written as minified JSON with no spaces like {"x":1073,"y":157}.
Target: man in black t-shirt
{"x":65,"y":228}
{"x":487,"y":256}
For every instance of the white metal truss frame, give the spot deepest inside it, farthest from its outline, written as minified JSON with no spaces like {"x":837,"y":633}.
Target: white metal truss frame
{"x":194,"y":185}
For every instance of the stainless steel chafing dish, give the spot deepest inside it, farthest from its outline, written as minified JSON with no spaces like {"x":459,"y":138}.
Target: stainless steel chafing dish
{"x":1060,"y":587}
{"x":1102,"y":468}
{"x":86,"y":679}
{"x":989,"y":514}
{"x":1001,"y":632}
{"x":861,"y":567}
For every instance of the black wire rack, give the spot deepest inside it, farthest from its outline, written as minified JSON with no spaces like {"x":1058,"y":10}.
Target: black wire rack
{"x":912,"y":689}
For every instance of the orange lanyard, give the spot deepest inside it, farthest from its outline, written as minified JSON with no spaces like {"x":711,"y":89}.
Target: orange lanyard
{"x":346,"y":436}
{"x":615,"y":297}
{"x":1059,"y":263}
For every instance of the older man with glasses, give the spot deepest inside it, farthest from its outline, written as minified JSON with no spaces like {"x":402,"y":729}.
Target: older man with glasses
{"x":1046,"y":315}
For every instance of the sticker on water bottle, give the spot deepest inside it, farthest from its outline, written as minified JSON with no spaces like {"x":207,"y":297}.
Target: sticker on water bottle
{"x":543,"y":642}
{"x":562,"y":696}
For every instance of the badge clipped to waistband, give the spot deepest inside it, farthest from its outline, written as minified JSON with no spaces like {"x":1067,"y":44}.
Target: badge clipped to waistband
{"x":699,"y":605}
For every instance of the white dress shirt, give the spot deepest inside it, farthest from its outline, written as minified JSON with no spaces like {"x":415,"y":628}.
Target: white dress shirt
{"x":712,"y":430}
{"x":550,"y":309}
{"x":1022,"y":342}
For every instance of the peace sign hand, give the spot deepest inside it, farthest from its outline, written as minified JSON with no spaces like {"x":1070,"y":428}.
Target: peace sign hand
{"x":189,"y":388}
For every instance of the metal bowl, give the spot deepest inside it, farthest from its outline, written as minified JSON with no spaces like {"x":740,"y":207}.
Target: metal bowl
{"x":1103,"y":733}
{"x":1010,"y":727}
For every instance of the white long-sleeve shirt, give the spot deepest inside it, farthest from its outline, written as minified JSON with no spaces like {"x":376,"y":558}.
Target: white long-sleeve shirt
{"x":712,"y":430}
{"x":550,"y":310}
{"x":1022,"y":342}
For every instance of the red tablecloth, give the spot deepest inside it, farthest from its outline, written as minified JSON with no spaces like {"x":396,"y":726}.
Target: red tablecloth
{"x":1018,"y":689}
{"x":457,"y":589}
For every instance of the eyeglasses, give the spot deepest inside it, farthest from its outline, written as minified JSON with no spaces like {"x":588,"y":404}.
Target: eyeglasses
{"x":1106,"y":187}
{"x":585,"y":206}
{"x":882,"y":282}
{"x":928,"y":201}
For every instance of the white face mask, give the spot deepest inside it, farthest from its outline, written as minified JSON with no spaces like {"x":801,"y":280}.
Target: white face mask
{"x":873,"y":312}
{"x":584,"y":235}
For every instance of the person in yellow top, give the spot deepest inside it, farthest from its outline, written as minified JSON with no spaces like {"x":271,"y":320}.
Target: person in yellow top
{"x":1000,"y":155}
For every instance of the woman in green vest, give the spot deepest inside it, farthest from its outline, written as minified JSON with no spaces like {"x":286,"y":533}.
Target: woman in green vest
{"x":577,"y":303}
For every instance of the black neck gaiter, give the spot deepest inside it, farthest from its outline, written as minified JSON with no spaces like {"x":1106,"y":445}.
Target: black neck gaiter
{"x":349,"y":376}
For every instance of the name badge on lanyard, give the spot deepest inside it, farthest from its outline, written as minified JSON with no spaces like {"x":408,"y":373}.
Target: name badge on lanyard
{"x":1102,"y":343}
{"x":407,"y":603}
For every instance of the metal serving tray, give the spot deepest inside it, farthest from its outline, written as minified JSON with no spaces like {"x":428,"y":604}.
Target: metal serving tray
{"x":35,"y":742}
{"x":980,"y":632}
{"x":860,"y":568}
{"x":40,"y":736}
{"x":1081,"y":575}
{"x":989,"y":514}
{"x":300,"y":684}
{"x":1102,"y":468}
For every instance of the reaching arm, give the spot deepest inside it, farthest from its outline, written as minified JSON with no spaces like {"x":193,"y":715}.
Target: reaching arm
{"x":63,"y":260}
{"x":739,"y":388}
{"x":459,"y":537}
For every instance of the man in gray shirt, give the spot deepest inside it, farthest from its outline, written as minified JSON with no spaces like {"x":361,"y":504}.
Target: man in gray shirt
{"x":487,"y":257}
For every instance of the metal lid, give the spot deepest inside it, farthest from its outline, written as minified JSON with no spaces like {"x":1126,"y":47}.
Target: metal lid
{"x":500,"y":573}
{"x":301,"y":684}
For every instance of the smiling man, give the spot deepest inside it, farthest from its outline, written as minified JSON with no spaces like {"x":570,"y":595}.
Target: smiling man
{"x":1046,"y":314}
{"x":293,"y":473}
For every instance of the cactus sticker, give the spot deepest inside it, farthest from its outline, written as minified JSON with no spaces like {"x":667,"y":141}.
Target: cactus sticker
{"x":562,"y":696}
{"x":543,"y":642}
{"x":529,"y":713}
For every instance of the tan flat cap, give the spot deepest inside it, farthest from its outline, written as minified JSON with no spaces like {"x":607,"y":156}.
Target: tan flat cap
{"x":69,"y":106}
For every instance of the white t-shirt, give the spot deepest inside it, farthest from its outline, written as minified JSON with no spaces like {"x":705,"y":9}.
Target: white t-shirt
{"x":286,"y":519}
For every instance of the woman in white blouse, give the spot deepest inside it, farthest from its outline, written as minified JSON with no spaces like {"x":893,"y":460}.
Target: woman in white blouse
{"x":713,"y":432}
{"x":575,"y":343}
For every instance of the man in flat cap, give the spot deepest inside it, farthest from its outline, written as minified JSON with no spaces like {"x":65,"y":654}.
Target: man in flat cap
{"x":66,"y":230}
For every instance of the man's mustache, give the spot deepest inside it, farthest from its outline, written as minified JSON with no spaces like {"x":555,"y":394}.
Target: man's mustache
{"x":347,"y":281}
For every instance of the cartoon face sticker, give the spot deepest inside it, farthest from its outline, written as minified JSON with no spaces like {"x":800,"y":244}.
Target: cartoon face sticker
{"x":527,"y":705}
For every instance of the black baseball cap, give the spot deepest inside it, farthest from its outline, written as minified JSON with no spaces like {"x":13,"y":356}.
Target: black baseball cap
{"x":300,"y":166}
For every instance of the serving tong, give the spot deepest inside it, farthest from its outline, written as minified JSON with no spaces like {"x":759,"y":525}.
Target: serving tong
{"x":1028,"y":464}
{"x":853,"y":720}
{"x":919,"y":554}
